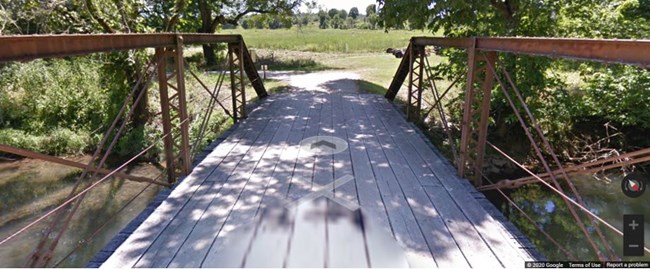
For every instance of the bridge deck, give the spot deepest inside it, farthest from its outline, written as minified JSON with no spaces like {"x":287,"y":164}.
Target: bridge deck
{"x":234,"y":208}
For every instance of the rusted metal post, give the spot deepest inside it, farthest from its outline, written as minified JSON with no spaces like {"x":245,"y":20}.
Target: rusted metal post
{"x":486,"y":88}
{"x":420,"y":59}
{"x":236,"y":62}
{"x":416,"y":84}
{"x":242,"y":88}
{"x":409,"y":98}
{"x":185,"y":158}
{"x":467,"y":109}
{"x":161,"y":56}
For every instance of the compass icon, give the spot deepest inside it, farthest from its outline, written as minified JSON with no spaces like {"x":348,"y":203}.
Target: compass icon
{"x":634,"y":184}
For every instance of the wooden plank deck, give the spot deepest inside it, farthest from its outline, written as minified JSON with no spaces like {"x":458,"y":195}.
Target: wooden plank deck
{"x":259,"y":199}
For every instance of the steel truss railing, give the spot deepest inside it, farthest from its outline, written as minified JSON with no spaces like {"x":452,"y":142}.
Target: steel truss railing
{"x":480,"y":75}
{"x":168,"y":65}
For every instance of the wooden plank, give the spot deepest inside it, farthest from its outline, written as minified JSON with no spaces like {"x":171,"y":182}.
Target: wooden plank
{"x":345,"y":232}
{"x":270,"y":235}
{"x":165,"y":246}
{"x":308,"y":239}
{"x":172,"y":237}
{"x":342,"y":162}
{"x":138,"y":243}
{"x":401,"y":216}
{"x":460,"y":228}
{"x":345,"y":237}
{"x":367,"y":190}
{"x":372,"y":204}
{"x":269,"y":247}
{"x":281,"y":179}
{"x":247,"y":205}
{"x":383,"y":250}
{"x":495,"y":235}
{"x":301,"y":180}
{"x":194,"y":249}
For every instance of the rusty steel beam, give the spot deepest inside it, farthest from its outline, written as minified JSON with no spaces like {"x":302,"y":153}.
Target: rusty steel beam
{"x":48,"y":158}
{"x":30,"y":47}
{"x":467,"y":110}
{"x":186,"y":160}
{"x":161,"y":56}
{"x":453,"y":42}
{"x":625,"y":51}
{"x":486,"y":88}
{"x":584,"y":168}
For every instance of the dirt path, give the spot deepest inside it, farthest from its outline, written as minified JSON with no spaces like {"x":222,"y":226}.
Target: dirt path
{"x":325,"y":81}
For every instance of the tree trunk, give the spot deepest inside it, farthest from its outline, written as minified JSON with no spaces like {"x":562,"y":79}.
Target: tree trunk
{"x":207,"y":27}
{"x":210,"y":56}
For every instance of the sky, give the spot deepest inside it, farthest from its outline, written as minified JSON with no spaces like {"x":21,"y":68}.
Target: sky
{"x":344,"y":4}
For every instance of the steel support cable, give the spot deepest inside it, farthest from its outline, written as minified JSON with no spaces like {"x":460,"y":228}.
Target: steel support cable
{"x":440,"y":109}
{"x":543,"y":161}
{"x":453,"y":83}
{"x":209,"y":108}
{"x":100,"y":146}
{"x":523,"y":213}
{"x":204,"y":123}
{"x":109,"y":219}
{"x":611,"y":227}
{"x":217,"y":88}
{"x":84,"y":191}
{"x":550,"y":150}
{"x":40,"y":262}
{"x":210,"y":104}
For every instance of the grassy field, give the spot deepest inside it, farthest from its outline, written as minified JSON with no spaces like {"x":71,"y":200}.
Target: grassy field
{"x":326,"y":40}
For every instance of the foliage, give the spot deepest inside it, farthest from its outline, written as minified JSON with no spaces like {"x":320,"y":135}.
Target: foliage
{"x":354,"y":13}
{"x":333,"y":12}
{"x":41,"y":95}
{"x":371,"y":9}
{"x":619,"y":95}
{"x":57,"y":141}
{"x":540,"y":79}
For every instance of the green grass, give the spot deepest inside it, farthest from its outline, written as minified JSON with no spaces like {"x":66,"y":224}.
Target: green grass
{"x":325,"y":40}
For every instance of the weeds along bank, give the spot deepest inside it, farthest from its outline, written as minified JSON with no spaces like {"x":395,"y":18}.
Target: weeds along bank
{"x":64,"y":106}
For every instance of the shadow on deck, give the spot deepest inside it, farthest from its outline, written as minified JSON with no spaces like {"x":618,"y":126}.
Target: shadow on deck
{"x":260,"y":198}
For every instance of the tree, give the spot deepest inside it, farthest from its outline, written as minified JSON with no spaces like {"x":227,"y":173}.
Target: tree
{"x":323,"y":19}
{"x":336,"y":21}
{"x":213,"y":14}
{"x":354,"y":13}
{"x":343,"y":14}
{"x":373,"y":19}
{"x":127,"y":16}
{"x":332,"y":12}
{"x":371,"y":9}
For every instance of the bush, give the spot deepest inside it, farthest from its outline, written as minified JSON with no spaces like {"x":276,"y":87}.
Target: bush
{"x":45,"y":94}
{"x":65,"y":141}
{"x":52,"y":106}
{"x":58,"y":141}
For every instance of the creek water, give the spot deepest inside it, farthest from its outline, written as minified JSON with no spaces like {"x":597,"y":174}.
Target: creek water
{"x":30,"y":188}
{"x":602,"y":197}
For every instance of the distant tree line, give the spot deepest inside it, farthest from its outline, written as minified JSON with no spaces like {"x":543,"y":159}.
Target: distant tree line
{"x":324,"y":19}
